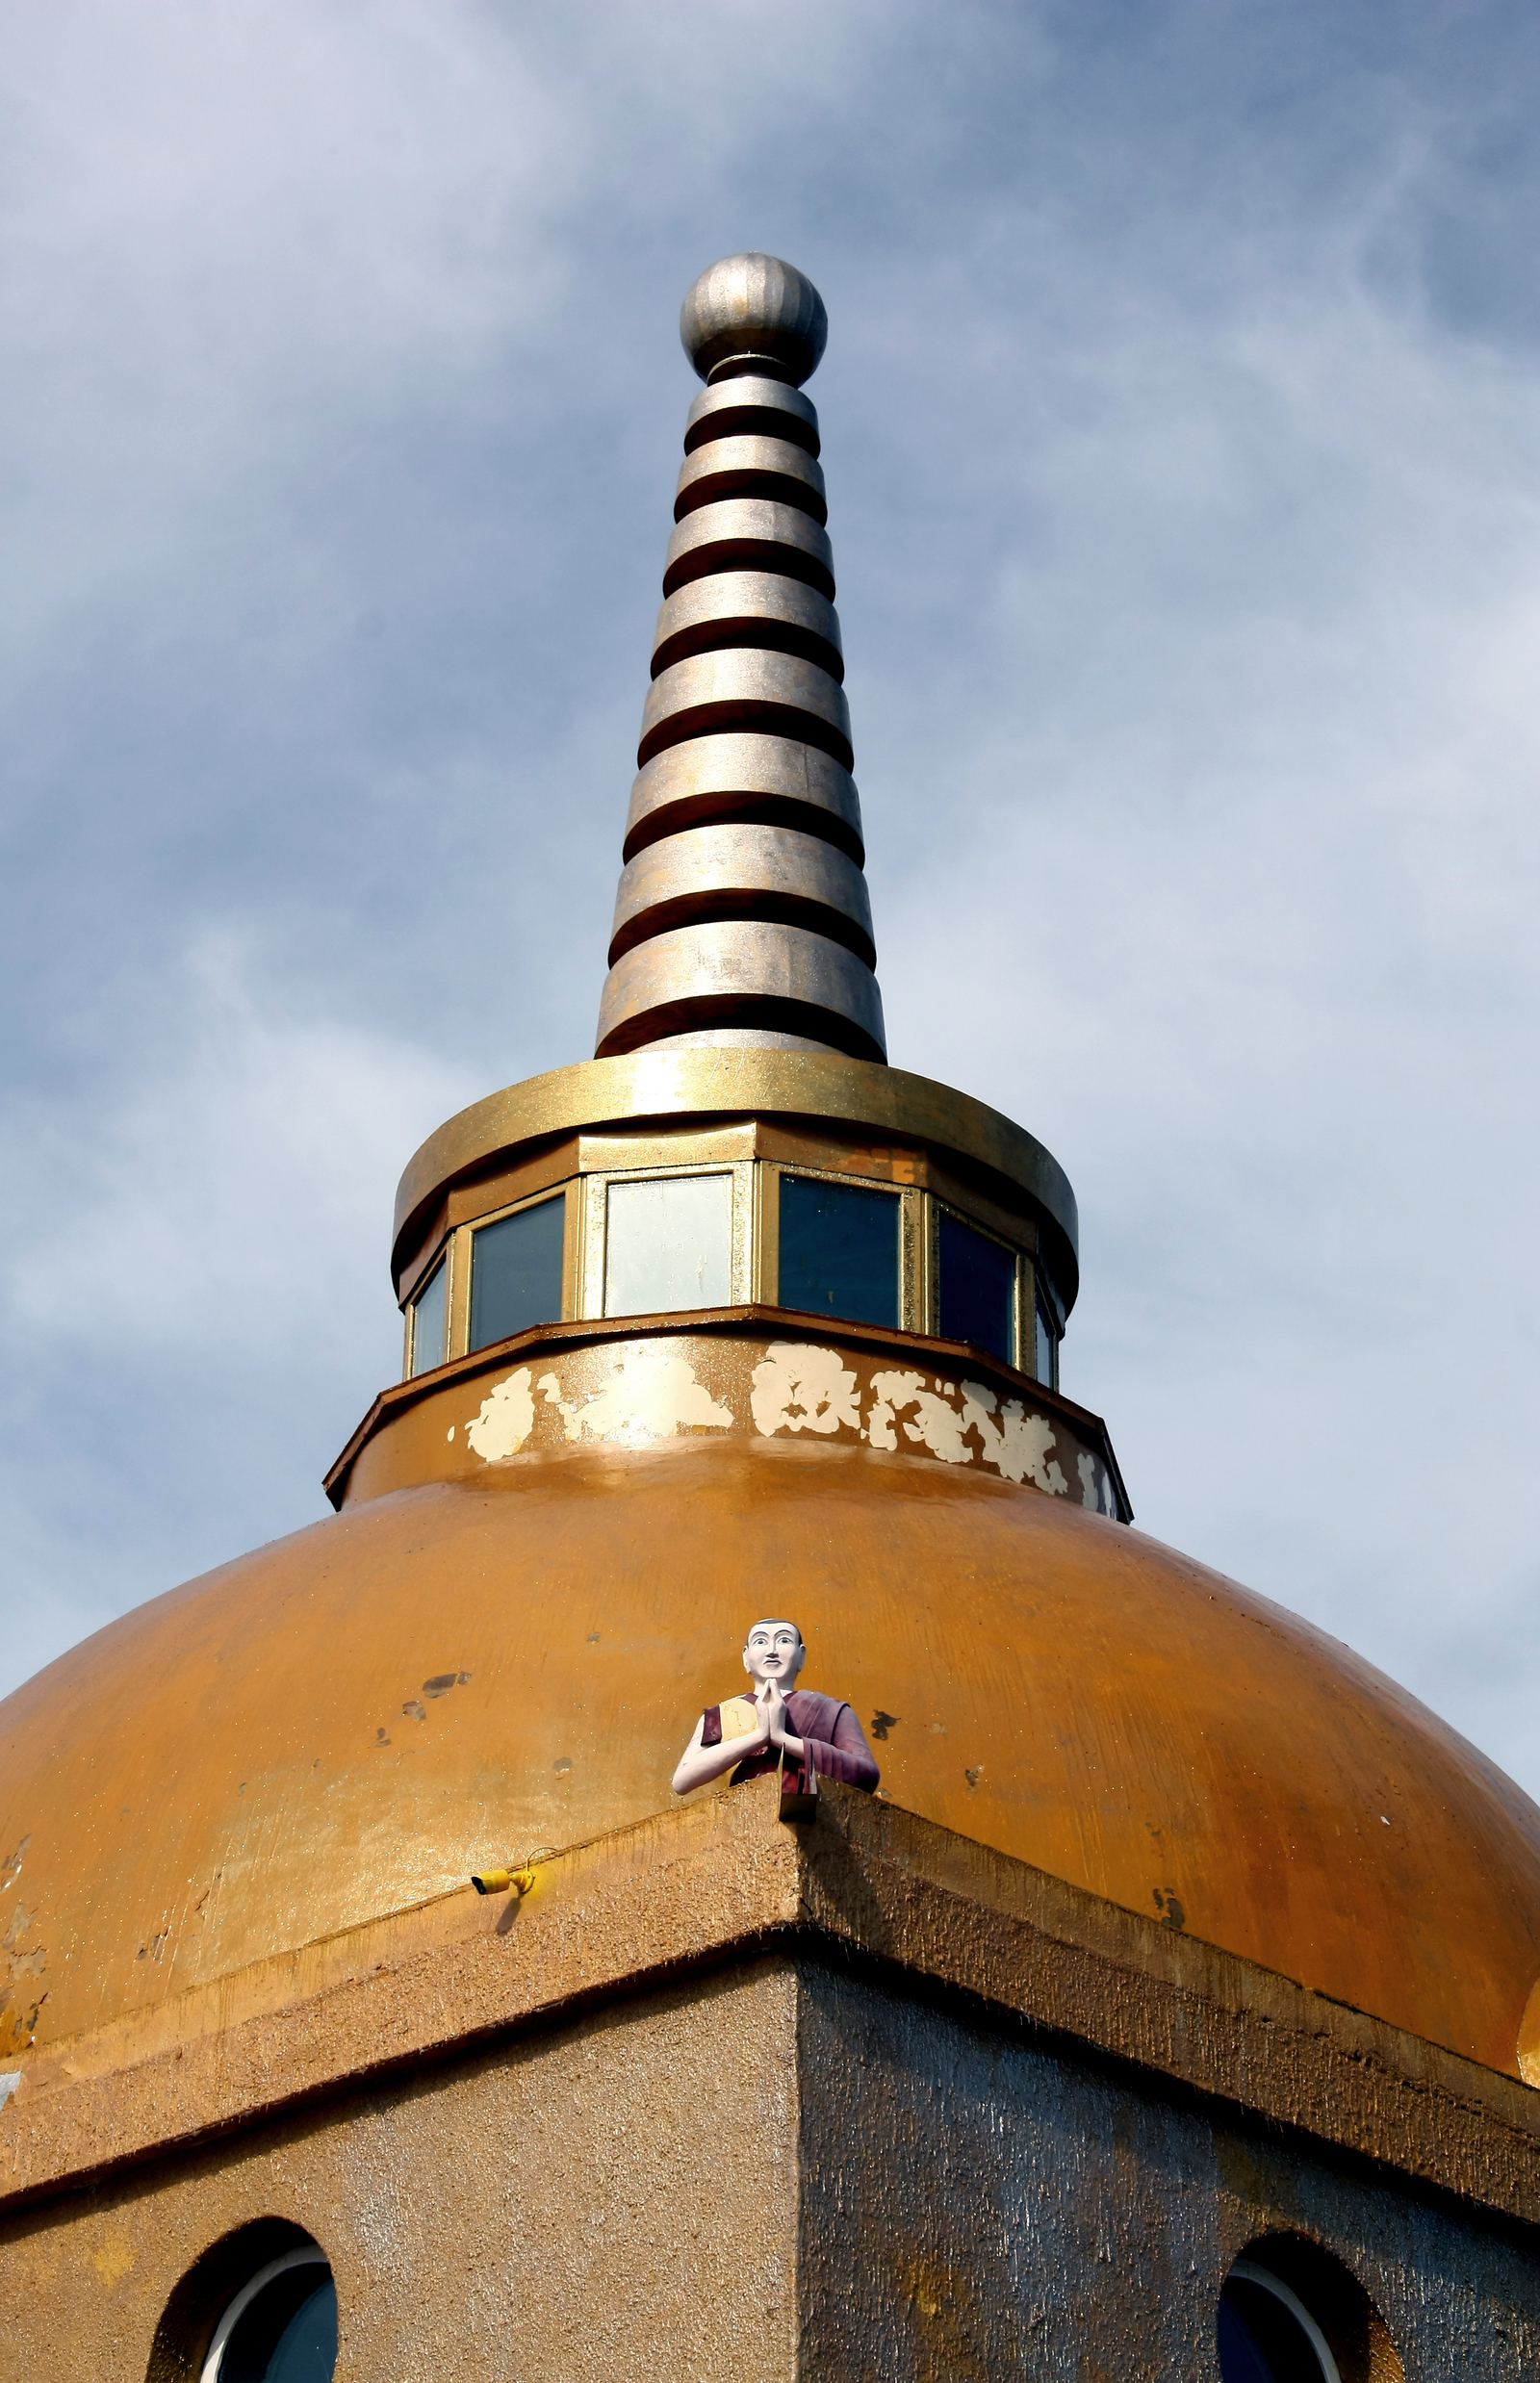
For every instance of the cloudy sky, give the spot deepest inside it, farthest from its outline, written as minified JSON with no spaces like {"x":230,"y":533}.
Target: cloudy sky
{"x":1182,"y":425}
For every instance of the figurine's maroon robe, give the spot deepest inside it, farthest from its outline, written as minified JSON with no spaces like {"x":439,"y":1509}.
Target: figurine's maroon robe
{"x":830,"y":1731}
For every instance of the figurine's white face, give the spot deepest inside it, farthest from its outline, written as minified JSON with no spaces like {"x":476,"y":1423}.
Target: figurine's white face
{"x":774,"y":1651}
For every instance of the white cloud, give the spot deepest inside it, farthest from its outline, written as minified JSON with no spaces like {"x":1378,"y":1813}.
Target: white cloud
{"x":225,"y":226}
{"x":235,"y":1201}
{"x":1269,"y":987}
{"x":195,"y":1297}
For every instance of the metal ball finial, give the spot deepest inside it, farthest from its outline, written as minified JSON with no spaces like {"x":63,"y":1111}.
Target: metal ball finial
{"x":754,"y":314}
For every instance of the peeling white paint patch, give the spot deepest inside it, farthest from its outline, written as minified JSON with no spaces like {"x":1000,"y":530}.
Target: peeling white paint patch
{"x":1097,"y":1489}
{"x":1018,"y":1445}
{"x":800,"y":1387}
{"x":8,"y":2083}
{"x":507,"y":1419}
{"x":654,"y":1396}
{"x":891,"y":1391}
{"x":1031,"y":1437}
{"x":938,"y":1427}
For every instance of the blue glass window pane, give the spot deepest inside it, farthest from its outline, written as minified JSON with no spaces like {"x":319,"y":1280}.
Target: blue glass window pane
{"x":288,"y":2334}
{"x":668,"y":1243}
{"x":429,"y":1320}
{"x":516,"y":1272}
{"x":307,"y":2348}
{"x":839,"y":1250}
{"x":1240,"y":2358}
{"x":1261,"y":2341}
{"x":978,"y":1289}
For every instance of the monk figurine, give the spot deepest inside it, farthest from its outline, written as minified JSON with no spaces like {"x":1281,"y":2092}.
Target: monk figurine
{"x":776,"y":1725}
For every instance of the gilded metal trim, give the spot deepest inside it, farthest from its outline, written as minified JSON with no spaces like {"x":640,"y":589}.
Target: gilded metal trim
{"x":446,"y":1260}
{"x":755,"y":1268}
{"x":464,"y":1237}
{"x":572,"y":1250}
{"x":718,"y":1085}
{"x":457,"y":1306}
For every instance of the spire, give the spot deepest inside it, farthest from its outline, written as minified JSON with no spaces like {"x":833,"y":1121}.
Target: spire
{"x":743,"y":915}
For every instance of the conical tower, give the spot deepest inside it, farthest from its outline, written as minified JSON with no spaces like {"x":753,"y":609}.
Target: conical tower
{"x":742,"y":917}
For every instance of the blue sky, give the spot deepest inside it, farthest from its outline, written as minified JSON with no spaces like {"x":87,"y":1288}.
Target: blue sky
{"x":1182,"y":426}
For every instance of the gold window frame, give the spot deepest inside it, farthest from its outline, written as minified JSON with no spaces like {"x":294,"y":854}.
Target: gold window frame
{"x":1049,"y":1302}
{"x":465,"y":1236}
{"x":915,"y":1267}
{"x":754,"y":1269}
{"x":445,"y":1256}
{"x":593,"y":1228}
{"x":1022,"y":1266}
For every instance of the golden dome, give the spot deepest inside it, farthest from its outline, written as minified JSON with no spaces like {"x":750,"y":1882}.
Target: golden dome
{"x":509,"y":1657}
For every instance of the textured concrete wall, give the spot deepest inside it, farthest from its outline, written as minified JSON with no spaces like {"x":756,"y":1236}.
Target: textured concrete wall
{"x":781,"y":2170}
{"x":614,"y":2199}
{"x":973,"y":2206}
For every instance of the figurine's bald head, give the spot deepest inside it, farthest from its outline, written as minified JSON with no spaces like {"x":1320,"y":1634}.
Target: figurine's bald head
{"x":774,"y":1651}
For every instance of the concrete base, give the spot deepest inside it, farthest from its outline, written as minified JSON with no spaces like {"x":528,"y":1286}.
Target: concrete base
{"x":807,"y":2147}
{"x":976,"y":2204}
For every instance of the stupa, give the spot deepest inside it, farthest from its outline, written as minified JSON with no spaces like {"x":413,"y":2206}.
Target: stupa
{"x":1167,"y":2009}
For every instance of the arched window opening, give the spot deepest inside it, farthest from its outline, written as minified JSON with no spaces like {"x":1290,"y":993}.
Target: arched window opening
{"x":1290,"y":2313}
{"x":258,"y":2307}
{"x":281,"y":2327}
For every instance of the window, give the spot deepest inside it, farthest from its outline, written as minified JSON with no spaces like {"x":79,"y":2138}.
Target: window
{"x":839,"y":1250}
{"x":515,"y":1271}
{"x":668,"y":1243}
{"x":1046,"y":1365}
{"x":1267,"y":2334}
{"x":429,"y":1319}
{"x":281,"y":2327}
{"x":978,"y":1289}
